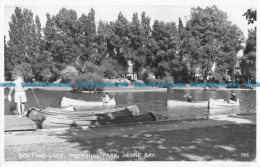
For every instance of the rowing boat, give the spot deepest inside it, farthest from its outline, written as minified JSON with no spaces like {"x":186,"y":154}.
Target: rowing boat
{"x":73,"y":102}
{"x":64,"y":121}
{"x":112,"y":113}
{"x":177,"y":103}
{"x":222,"y":103}
{"x":220,"y":106}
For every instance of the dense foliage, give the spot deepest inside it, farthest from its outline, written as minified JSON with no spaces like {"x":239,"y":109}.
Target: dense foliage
{"x":248,"y":60}
{"x":250,"y":15}
{"x":71,"y":46}
{"x":87,"y":82}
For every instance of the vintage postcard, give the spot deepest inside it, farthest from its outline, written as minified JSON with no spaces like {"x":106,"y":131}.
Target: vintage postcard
{"x":172,"y":83}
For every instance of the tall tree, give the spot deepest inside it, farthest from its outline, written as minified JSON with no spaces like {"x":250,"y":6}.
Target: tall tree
{"x":227,"y":59}
{"x":7,"y":62}
{"x":118,"y":43}
{"x":18,"y":35}
{"x":164,"y":44}
{"x":39,"y":38}
{"x":61,"y":32}
{"x":88,"y":35}
{"x":137,"y":44}
{"x":248,"y":60}
{"x":180,"y":69}
{"x":22,"y":43}
{"x":211,"y":28}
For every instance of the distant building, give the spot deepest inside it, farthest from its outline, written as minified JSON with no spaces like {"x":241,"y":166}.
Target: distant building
{"x":132,"y":77}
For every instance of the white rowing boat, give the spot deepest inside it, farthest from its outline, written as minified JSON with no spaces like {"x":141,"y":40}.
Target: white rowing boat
{"x":213,"y":103}
{"x":111,"y":113}
{"x":73,"y":102}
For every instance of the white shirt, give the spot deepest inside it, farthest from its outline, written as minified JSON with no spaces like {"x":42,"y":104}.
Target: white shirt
{"x":18,"y":84}
{"x":106,"y":99}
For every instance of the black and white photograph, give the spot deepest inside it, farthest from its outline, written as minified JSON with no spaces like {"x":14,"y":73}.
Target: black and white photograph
{"x":142,"y":82}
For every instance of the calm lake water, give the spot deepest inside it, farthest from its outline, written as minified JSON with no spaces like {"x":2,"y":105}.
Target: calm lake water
{"x":154,"y":102}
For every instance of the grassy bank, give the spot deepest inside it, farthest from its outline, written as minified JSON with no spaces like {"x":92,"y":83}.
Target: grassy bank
{"x":224,"y":143}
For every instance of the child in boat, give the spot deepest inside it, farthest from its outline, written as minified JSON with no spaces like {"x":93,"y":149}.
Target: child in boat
{"x":19,"y":96}
{"x":232,"y":97}
{"x":105,"y":99}
{"x":188,"y":97}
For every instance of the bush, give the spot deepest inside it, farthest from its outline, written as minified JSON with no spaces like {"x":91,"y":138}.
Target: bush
{"x":69,"y":74}
{"x":125,"y":80}
{"x":167,"y":79}
{"x":90,"y":67}
{"x":145,"y":77}
{"x":139,"y":81}
{"x":109,"y":68}
{"x":46,"y":74}
{"x":119,"y":80}
{"x":91,"y":78}
{"x":151,"y":80}
{"x":218,"y":77}
{"x":109,"y":72}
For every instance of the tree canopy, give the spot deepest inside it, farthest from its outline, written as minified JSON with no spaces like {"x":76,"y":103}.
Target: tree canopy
{"x":165,"y":49}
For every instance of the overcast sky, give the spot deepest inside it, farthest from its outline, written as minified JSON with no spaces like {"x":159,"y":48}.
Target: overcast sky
{"x":162,"y":12}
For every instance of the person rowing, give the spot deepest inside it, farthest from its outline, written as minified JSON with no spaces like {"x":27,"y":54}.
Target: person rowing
{"x":232,"y":97}
{"x":188,"y":97}
{"x":106,"y":98}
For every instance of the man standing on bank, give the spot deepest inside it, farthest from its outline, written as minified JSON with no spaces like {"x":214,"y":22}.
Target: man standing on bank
{"x":19,"y":96}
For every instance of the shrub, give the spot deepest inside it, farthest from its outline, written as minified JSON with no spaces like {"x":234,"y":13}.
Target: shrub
{"x":148,"y":77}
{"x":119,"y":80}
{"x":46,"y":74}
{"x":151,"y":80}
{"x":109,"y":72}
{"x":69,"y":73}
{"x":109,"y":68}
{"x":167,"y":79}
{"x":91,"y":78}
{"x":145,"y":77}
{"x":125,"y":80}
{"x":218,"y":77}
{"x":90,"y":67}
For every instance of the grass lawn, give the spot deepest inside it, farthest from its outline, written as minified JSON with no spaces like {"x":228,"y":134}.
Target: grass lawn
{"x":235,"y":142}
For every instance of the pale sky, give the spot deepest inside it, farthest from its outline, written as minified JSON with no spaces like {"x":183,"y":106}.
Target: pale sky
{"x":165,"y":13}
